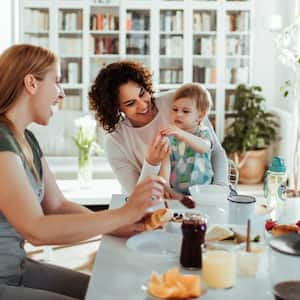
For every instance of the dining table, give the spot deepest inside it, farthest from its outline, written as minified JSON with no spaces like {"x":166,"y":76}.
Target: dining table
{"x":122,"y":273}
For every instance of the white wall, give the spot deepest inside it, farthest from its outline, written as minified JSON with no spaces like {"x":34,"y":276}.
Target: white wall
{"x":6,"y":23}
{"x":268,"y":71}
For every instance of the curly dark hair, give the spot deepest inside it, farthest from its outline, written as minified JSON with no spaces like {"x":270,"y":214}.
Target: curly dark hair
{"x":104,"y":92}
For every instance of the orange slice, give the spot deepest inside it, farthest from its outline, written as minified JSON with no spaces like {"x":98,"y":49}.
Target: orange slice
{"x":172,"y":285}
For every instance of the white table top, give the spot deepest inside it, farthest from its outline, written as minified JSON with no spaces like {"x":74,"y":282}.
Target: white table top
{"x":119,"y":271}
{"x":99,"y":193}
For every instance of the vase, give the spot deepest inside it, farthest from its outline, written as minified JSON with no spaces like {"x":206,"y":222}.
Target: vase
{"x":251,"y":166}
{"x":84,"y":168}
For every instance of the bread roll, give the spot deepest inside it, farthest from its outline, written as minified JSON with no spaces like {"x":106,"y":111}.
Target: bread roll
{"x":158,"y":218}
{"x":280,"y":229}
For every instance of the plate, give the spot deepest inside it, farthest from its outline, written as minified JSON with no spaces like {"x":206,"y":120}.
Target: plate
{"x":230,"y":244}
{"x":144,"y":288}
{"x":158,"y":242}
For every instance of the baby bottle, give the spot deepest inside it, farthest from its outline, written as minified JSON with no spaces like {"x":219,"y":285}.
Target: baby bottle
{"x":275,"y":186}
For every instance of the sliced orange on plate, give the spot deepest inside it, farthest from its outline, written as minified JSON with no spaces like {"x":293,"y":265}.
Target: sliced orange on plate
{"x":172,"y":284}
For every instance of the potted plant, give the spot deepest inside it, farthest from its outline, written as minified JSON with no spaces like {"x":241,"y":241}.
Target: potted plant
{"x":251,"y":132}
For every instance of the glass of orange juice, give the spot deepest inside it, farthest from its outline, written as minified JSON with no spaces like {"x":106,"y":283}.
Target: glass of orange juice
{"x":219,"y":268}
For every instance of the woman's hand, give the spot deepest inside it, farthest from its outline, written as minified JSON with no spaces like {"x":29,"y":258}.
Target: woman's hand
{"x":157,"y":150}
{"x":146,"y":194}
{"x":175,"y":131}
{"x":130,"y":230}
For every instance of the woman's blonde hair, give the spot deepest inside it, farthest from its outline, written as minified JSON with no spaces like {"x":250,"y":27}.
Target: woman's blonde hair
{"x":198,"y":93}
{"x":15,"y":63}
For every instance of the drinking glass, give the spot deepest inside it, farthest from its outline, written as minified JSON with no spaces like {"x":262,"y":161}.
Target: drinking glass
{"x":219,"y":268}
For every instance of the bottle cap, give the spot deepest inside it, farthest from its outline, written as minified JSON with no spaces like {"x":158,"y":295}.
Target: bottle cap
{"x":277,"y":164}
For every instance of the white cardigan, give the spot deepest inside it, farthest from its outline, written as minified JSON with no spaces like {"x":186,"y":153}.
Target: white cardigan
{"x":126,"y":148}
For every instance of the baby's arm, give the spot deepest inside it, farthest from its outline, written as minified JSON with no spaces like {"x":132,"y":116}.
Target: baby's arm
{"x":165,"y":169}
{"x":197,"y":143}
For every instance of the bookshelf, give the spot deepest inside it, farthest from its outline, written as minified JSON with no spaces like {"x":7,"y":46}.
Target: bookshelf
{"x":206,"y":41}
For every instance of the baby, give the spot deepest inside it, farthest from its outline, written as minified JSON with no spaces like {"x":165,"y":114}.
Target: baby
{"x":189,"y":161}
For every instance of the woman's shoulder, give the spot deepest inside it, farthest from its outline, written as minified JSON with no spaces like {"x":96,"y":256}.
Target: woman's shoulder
{"x":7,"y":140}
{"x":32,"y":140}
{"x":116,"y":138}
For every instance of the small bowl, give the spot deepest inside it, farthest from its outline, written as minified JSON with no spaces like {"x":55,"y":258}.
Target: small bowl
{"x":211,"y":200}
{"x":209,"y":194}
{"x":287,"y":290}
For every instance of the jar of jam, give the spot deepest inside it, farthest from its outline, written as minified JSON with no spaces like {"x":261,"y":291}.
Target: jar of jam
{"x":193,"y":236}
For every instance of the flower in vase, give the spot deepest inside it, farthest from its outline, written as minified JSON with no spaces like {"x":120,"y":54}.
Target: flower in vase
{"x":85,"y":140}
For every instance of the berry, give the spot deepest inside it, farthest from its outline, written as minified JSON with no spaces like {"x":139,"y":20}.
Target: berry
{"x":270,"y":224}
{"x":188,"y":202}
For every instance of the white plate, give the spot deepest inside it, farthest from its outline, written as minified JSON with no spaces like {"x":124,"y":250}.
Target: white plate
{"x":229,"y":244}
{"x":144,"y":288}
{"x":158,"y":242}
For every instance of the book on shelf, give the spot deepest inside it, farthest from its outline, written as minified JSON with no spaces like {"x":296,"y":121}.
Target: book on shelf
{"x":104,"y":45}
{"x":104,"y":21}
{"x":207,"y":75}
{"x":208,"y":46}
{"x":70,"y":71}
{"x":171,"y":75}
{"x":36,"y":20}
{"x":172,"y":45}
{"x":197,"y":23}
{"x":128,"y":21}
{"x":237,"y":21}
{"x":237,"y":75}
{"x":213,"y":75}
{"x":70,"y":21}
{"x":171,"y":21}
{"x":137,"y":45}
{"x":167,"y":21}
{"x":137,"y":20}
{"x":229,"y":101}
{"x":233,"y":46}
{"x":73,"y":72}
{"x":242,"y":21}
{"x":178,"y":21}
{"x":204,"y":21}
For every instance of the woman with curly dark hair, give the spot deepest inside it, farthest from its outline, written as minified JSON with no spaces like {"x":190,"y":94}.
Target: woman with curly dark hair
{"x":123,"y":98}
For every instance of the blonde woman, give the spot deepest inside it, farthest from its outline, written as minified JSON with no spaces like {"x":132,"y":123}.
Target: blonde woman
{"x":31,"y":205}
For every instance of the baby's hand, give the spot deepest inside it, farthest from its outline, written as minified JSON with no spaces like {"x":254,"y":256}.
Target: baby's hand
{"x":173,"y":130}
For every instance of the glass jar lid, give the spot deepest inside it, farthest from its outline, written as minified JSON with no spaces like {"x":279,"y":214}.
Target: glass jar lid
{"x":194,"y":217}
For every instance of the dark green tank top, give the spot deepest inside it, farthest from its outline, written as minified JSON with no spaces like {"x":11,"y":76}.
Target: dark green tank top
{"x":11,"y":242}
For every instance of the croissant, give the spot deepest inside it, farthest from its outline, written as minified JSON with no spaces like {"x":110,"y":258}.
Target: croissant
{"x":158,"y":218}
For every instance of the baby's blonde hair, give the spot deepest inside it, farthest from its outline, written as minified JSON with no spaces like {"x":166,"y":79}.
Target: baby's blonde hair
{"x":198,"y":93}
